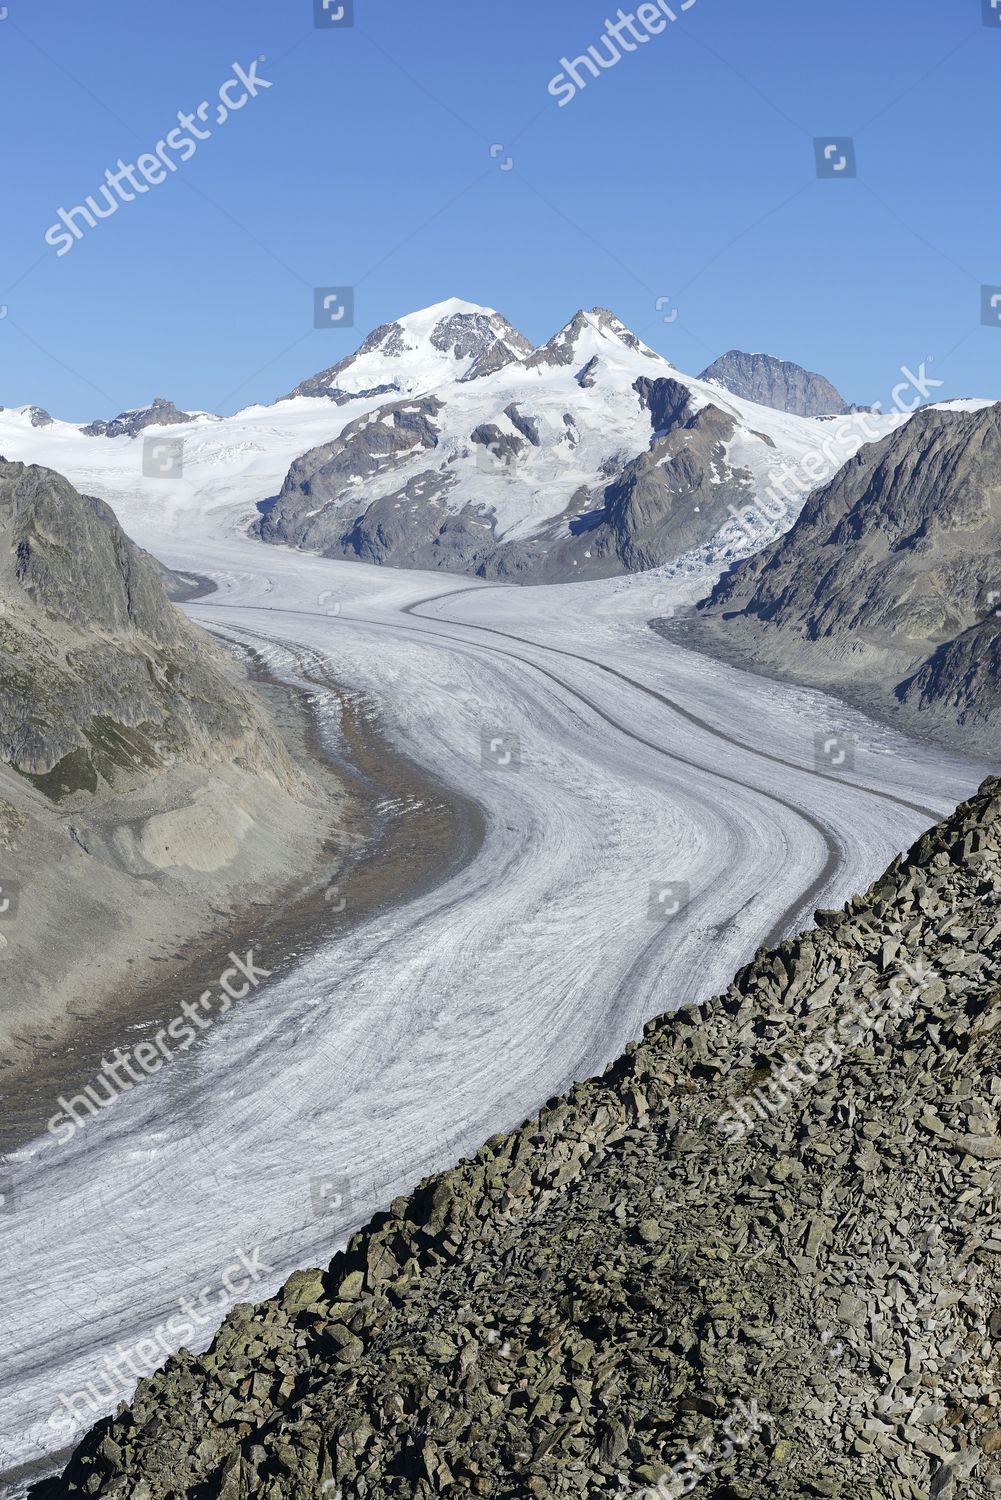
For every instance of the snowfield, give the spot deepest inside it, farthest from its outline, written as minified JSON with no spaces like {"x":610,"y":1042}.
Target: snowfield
{"x":588,"y":427}
{"x":403,"y":1045}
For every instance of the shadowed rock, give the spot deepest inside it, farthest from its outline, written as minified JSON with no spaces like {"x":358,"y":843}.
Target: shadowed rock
{"x":887,"y":588}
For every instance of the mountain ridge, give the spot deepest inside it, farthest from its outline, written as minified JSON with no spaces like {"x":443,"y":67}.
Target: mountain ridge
{"x":538,"y":468}
{"x":885,"y":588}
{"x":779,"y":383}
{"x":145,"y":793}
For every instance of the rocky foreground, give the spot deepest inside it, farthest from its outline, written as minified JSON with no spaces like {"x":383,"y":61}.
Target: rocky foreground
{"x":760,"y":1257}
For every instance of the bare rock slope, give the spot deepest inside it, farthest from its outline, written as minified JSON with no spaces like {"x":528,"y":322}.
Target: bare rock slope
{"x":778,"y":383}
{"x":887,"y":589}
{"x":144,"y":794}
{"x":760,"y":1256}
{"x":101,"y":677}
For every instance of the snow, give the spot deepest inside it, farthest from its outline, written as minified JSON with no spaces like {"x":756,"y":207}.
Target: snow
{"x":395,"y":1050}
{"x":405,"y":357}
{"x":256,"y":447}
{"x":967,"y":404}
{"x":399,"y":1047}
{"x":421,"y":324}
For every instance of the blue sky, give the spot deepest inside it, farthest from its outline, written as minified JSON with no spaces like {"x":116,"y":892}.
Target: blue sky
{"x":687,"y":172}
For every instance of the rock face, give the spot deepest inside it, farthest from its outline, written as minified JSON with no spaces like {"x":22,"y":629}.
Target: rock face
{"x":777,"y":383}
{"x":888,"y":587}
{"x":146,"y":799}
{"x":674,"y":496}
{"x":762,"y":1253}
{"x":102,"y":680}
{"x":537,"y":465}
{"x":37,"y":415}
{"x":159,"y":413}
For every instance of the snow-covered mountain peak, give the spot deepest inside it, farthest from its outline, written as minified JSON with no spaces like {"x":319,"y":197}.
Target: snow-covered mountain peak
{"x":437,"y":345}
{"x":589,"y":334}
{"x":446,"y":441}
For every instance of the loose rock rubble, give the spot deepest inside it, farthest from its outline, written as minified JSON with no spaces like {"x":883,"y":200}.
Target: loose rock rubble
{"x":575,"y":1310}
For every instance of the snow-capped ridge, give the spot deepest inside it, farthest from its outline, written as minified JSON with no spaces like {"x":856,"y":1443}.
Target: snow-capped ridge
{"x":449,"y":341}
{"x":447,"y":440}
{"x":589,"y":334}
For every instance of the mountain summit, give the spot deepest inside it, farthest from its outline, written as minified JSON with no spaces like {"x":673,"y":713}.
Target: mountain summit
{"x":448,"y":341}
{"x":465,"y":449}
{"x":588,"y":335}
{"x":777,"y":383}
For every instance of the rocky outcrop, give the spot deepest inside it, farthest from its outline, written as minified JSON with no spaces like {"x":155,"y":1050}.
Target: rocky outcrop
{"x":321,"y":502}
{"x":159,"y":413}
{"x":37,"y":415}
{"x":962,"y":678}
{"x":887,"y":589}
{"x":147,"y":801}
{"x":638,"y":513}
{"x":761,"y":1254}
{"x":777,"y":383}
{"x":679,"y":493}
{"x":102,"y":680}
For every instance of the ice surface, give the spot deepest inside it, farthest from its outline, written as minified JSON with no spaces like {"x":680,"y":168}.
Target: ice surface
{"x":402,"y":1046}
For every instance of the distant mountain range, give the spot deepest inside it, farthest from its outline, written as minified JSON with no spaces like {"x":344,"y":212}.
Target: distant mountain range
{"x":888,"y":587}
{"x":159,"y":413}
{"x":448,"y":441}
{"x":592,"y":455}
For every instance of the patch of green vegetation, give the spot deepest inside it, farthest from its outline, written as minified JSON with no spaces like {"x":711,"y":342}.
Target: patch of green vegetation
{"x":121,"y":745}
{"x":74,"y":773}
